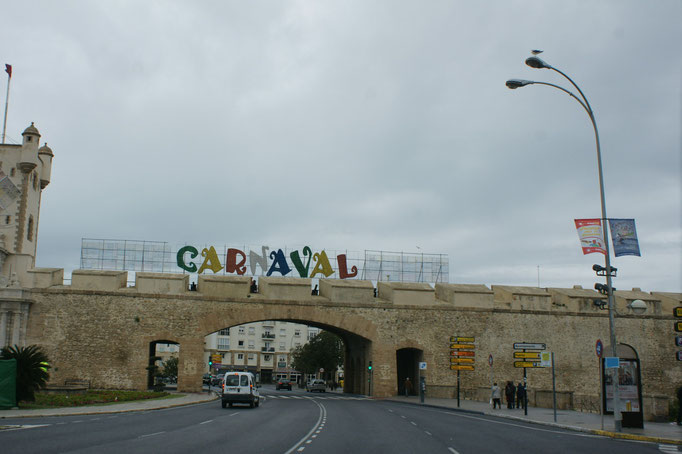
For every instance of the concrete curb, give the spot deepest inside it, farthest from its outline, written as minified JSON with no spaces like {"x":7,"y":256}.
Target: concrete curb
{"x":106,"y":409}
{"x":603,"y":433}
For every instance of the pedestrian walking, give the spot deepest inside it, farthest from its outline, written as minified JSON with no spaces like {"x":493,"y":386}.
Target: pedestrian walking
{"x":509,"y":392}
{"x":496,"y":396}
{"x":408,"y":387}
{"x":521,"y":396}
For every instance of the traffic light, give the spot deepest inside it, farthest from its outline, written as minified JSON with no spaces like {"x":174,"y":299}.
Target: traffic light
{"x":369,"y":368}
{"x":210,"y":362}
{"x":603,"y":289}
{"x":601,"y":271}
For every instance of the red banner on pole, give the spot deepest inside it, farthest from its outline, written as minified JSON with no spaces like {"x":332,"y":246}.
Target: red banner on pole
{"x":591,"y":235}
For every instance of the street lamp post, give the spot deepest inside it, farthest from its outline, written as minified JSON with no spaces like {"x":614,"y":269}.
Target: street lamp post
{"x":535,"y":62}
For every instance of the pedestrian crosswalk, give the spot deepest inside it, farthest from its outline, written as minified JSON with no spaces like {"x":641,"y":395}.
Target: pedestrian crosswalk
{"x":280,"y":396}
{"x":668,"y":448}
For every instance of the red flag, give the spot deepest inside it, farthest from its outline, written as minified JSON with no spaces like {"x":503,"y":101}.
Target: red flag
{"x":8,"y":70}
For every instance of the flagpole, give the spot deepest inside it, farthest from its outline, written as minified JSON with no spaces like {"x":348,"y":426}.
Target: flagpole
{"x":4,"y":124}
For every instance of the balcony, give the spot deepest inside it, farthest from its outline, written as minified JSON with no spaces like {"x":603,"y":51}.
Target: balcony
{"x":268,"y":336}
{"x":267,"y":349}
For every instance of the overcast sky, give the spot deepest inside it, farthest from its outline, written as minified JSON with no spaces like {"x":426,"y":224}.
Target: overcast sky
{"x":356,"y":125}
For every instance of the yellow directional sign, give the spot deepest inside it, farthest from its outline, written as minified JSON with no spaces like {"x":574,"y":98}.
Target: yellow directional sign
{"x":462,"y":353}
{"x":678,"y":327}
{"x":527,"y":355}
{"x":461,"y":367}
{"x":677,"y":313}
{"x":463,"y":346}
{"x":462,"y":360}
{"x":462,"y":339}
{"x":525,"y":364}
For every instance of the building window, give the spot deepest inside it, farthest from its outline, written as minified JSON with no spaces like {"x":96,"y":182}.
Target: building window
{"x":8,"y":219}
{"x":297,"y":332}
{"x":224,"y":332}
{"x":35,"y":181}
{"x":29,"y":233}
{"x":12,"y":172}
{"x":251,"y":345}
{"x":266,"y":358}
{"x":241,"y":330}
{"x":283,"y":332}
{"x":252,"y":330}
{"x":223,"y":344}
{"x":252,"y":357}
{"x":241,"y":343}
{"x":282,"y":346}
{"x":240,"y":355}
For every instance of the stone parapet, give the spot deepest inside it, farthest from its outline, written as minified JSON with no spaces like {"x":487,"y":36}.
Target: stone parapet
{"x":521,"y":298}
{"x":283,"y":288}
{"x":669,"y":301}
{"x":407,"y":293}
{"x":161,"y":283}
{"x":98,"y":280}
{"x":347,"y":290}
{"x":46,"y":277}
{"x":224,"y":286}
{"x":465,"y":295}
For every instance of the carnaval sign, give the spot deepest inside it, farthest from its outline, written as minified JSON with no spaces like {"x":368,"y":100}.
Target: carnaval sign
{"x":304,"y":262}
{"x":235,"y":262}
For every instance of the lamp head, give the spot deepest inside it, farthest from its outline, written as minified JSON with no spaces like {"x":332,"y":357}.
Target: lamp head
{"x":535,"y":62}
{"x":638,"y":307}
{"x":516,"y":83}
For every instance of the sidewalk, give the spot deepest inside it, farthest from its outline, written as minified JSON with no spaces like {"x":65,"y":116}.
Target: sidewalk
{"x":137,"y":405}
{"x":567,"y":419}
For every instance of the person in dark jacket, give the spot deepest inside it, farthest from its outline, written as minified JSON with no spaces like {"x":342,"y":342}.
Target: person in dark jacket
{"x":509,"y":392}
{"x":679,"y":406}
{"x":521,"y":396}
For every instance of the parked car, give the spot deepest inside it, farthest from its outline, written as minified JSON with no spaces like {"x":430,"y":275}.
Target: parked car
{"x":316,"y":385}
{"x":207,"y":379}
{"x":239,"y":387}
{"x":283,"y":384}
{"x":217,"y":379}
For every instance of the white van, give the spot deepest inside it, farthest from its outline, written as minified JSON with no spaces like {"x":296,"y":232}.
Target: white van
{"x":240,"y":387}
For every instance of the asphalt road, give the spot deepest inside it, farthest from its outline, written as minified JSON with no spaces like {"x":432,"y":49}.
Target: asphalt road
{"x":298,"y":422}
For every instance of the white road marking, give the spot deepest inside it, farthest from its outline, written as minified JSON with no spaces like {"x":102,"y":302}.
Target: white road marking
{"x":413,"y":423}
{"x":493,"y":421}
{"x":427,"y":432}
{"x":452,"y":450}
{"x":667,"y":448}
{"x":206,"y":422}
{"x":151,"y":435}
{"x":317,"y":426}
{"x":234,"y":414}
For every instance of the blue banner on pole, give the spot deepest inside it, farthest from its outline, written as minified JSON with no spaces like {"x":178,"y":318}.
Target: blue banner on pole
{"x":624,"y":237}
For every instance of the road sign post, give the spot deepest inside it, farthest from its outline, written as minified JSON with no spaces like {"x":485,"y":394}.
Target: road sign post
{"x":526,"y":364}
{"x":599,"y":350}
{"x":463,"y":357}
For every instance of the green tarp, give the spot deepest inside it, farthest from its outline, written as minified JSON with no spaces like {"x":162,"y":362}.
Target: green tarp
{"x":8,"y":383}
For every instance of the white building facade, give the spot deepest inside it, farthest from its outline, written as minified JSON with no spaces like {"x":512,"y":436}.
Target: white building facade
{"x":264,"y":348}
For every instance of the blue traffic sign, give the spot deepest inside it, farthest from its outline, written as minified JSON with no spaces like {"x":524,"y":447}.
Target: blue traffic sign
{"x":599,"y":348}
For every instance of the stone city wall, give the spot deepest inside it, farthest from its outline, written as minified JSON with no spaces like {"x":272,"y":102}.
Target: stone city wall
{"x":99,"y":330}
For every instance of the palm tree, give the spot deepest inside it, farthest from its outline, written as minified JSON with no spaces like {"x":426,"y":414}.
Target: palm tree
{"x":32,"y":369}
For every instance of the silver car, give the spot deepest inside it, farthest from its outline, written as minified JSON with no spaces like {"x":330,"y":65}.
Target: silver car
{"x":316,"y":385}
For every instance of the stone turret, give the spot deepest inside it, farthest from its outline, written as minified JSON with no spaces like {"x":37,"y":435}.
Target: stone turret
{"x":28,"y":167}
{"x":29,"y":150}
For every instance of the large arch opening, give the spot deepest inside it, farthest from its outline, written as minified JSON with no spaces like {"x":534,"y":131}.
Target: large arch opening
{"x":407,"y":366}
{"x":264,"y":347}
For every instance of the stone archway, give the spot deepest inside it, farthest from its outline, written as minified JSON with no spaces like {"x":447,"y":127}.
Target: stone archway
{"x":407,"y":366}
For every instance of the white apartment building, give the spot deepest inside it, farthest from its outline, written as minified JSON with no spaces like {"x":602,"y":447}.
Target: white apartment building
{"x":263,"y":348}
